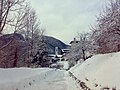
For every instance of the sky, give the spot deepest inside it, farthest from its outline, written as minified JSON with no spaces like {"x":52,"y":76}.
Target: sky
{"x":63,"y":19}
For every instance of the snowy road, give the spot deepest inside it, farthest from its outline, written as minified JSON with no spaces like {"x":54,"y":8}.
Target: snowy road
{"x":55,"y":80}
{"x":36,"y":79}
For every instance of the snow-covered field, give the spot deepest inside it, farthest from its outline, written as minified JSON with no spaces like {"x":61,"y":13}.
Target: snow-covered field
{"x":35,"y":79}
{"x":100,"y":71}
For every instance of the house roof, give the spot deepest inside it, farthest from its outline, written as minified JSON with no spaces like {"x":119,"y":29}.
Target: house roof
{"x":74,"y":42}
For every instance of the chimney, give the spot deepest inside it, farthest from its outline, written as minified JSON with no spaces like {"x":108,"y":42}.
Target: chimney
{"x":74,"y":39}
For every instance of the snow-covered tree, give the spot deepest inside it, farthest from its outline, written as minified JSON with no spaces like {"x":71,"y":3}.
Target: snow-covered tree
{"x":32,"y":31}
{"x":81,"y":50}
{"x":85,"y":45}
{"x":107,"y":32}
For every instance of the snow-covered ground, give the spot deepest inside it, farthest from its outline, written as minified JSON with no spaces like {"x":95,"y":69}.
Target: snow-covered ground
{"x":100,"y":71}
{"x":35,"y":79}
{"x":65,"y":64}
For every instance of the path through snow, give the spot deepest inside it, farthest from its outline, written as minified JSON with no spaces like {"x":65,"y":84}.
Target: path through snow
{"x":36,"y":79}
{"x":56,"y":80}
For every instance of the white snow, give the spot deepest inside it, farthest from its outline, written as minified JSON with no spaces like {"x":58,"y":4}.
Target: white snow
{"x":35,"y":79}
{"x":101,"y":70}
{"x":71,"y":83}
{"x":21,"y":78}
{"x":65,"y":64}
{"x":97,"y":72}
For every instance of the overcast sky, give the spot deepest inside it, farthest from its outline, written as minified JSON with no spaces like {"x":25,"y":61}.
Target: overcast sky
{"x":64,"y":18}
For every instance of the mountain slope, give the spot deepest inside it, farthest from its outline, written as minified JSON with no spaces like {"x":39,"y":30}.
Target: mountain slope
{"x":14,"y":54}
{"x":53,"y":42}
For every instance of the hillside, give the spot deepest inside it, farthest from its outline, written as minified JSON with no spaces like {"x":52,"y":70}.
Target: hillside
{"x":19,"y":46}
{"x":53,"y":42}
{"x":99,"y":72}
{"x":6,"y":38}
{"x":13,"y":48}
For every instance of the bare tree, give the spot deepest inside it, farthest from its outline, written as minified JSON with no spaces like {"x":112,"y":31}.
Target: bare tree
{"x":31,"y":26}
{"x":22,"y":19}
{"x":33,"y":33}
{"x":107,"y":31}
{"x":11,"y":15}
{"x":14,"y":18}
{"x":7,"y":9}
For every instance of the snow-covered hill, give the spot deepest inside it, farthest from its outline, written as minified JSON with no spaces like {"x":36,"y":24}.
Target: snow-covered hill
{"x":100,"y":72}
{"x":54,"y":42}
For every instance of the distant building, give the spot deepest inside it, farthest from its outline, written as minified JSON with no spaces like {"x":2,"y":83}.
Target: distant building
{"x":60,"y":57}
{"x":65,"y":51}
{"x":74,"y":42}
{"x":55,"y":57}
{"x":56,"y":51}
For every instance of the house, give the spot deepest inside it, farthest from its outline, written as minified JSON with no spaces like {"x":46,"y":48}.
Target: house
{"x":55,"y":57}
{"x":65,"y":51}
{"x":74,"y":42}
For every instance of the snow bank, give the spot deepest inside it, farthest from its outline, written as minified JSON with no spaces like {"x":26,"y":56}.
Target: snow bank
{"x":100,"y":71}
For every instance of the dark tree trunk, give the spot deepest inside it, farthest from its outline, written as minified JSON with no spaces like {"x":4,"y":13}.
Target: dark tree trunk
{"x":15,"y":59}
{"x":83,"y":52}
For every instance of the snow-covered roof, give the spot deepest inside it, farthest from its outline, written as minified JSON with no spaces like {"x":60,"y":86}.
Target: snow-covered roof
{"x":53,"y":55}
